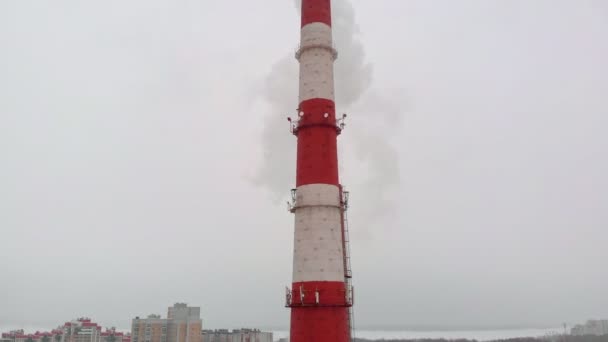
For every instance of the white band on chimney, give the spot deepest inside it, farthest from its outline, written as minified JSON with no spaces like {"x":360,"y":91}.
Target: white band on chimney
{"x":316,"y":56}
{"x":317,"y":195}
{"x":318,"y":254}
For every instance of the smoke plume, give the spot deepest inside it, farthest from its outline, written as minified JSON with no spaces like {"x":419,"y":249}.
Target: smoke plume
{"x":366,"y":146}
{"x":277,"y":171}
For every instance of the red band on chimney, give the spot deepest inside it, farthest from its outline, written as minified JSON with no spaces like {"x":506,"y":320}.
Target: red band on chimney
{"x":316,"y":11}
{"x":317,"y":161}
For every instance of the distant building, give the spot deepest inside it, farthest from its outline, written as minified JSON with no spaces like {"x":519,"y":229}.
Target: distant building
{"x":20,"y":336}
{"x":151,"y":329}
{"x":237,"y":335}
{"x":183,"y":324}
{"x":111,"y":335}
{"x":81,"y":330}
{"x":11,"y":335}
{"x":592,"y":327}
{"x":78,"y":330}
{"x":219,"y":335}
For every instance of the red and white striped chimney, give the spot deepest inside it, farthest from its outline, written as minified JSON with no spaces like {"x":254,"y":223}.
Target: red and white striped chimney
{"x":320,"y":297}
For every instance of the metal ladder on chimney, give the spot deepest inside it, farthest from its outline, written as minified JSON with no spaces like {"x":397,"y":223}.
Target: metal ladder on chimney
{"x":348,"y":275}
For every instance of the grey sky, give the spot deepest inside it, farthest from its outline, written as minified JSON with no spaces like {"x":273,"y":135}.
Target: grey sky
{"x":131,"y":148}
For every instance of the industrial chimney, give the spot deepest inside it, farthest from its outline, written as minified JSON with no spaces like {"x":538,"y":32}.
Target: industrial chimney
{"x":321,"y":296}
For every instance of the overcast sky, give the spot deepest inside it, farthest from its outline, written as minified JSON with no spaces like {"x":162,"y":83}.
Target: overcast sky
{"x":143,"y":147}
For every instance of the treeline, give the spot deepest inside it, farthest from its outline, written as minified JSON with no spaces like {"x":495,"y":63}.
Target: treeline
{"x":587,"y":338}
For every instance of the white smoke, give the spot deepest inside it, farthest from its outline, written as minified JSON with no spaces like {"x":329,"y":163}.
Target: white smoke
{"x":372,"y":119}
{"x":277,"y":172}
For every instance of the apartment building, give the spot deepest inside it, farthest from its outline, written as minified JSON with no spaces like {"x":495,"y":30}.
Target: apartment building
{"x":111,"y":335}
{"x":78,"y":330}
{"x":183,"y":324}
